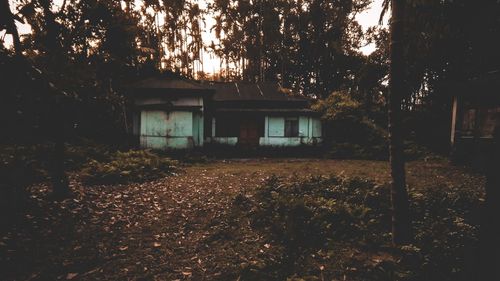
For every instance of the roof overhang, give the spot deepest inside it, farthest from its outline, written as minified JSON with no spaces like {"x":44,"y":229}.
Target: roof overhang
{"x":173,"y":92}
{"x":169,"y":107}
{"x":303,"y":111}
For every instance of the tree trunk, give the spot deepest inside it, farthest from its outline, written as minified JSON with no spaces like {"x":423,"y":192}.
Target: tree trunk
{"x":401,"y":226}
{"x":60,"y":184}
{"x":17,"y":41}
{"x":489,"y":237}
{"x":8,"y":20}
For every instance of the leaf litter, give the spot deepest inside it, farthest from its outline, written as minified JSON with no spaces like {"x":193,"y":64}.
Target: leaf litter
{"x":174,"y":228}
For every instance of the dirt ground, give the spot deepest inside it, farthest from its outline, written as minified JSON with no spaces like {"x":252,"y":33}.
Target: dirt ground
{"x":176,"y":228}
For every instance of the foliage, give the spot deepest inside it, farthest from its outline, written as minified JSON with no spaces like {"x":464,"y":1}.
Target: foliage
{"x":82,"y":151}
{"x":25,"y":165}
{"x":28,"y":158}
{"x":327,"y":217}
{"x":130,"y":166}
{"x":92,"y":50}
{"x":441,"y":52}
{"x":346,"y":150}
{"x":349,"y":132}
{"x":376,"y":151}
{"x":347,"y":120}
{"x":20,"y":168}
{"x":37,"y":157}
{"x":307,"y":45}
{"x":203,"y":213}
{"x":337,"y":106}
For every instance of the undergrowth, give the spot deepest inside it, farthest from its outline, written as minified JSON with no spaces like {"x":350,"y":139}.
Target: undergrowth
{"x":326,"y":228}
{"x":130,"y":166}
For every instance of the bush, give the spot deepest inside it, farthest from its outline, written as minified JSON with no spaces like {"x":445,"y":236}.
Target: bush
{"x":130,"y":166}
{"x":320,"y":209}
{"x":346,"y":150}
{"x":350,"y":133}
{"x":18,"y":170}
{"x":79,"y":154}
{"x":331,"y":218}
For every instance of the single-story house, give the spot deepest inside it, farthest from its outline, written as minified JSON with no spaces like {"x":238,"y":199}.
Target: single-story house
{"x":178,"y":113}
{"x":475,"y":112}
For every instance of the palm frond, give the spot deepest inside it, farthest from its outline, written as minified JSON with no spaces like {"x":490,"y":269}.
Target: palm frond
{"x":385,"y":8}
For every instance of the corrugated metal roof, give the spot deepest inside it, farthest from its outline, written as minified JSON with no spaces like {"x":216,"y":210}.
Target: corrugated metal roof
{"x":300,"y":110}
{"x":169,"y":83}
{"x":223,"y":91}
{"x":244,"y":91}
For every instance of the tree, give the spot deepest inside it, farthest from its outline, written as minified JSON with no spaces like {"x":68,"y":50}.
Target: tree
{"x":8,"y":22}
{"x":401,"y":225}
{"x":308,"y":45}
{"x":489,"y":258}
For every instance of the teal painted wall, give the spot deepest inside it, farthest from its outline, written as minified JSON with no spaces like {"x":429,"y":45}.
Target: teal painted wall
{"x":198,"y":128}
{"x":276,"y":126}
{"x":309,"y":132}
{"x":175,"y":129}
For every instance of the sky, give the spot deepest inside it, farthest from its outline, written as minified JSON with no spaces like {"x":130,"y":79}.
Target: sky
{"x":370,"y":18}
{"x":366,"y":19}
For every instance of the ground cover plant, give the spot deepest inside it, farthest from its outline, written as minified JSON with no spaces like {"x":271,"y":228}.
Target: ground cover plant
{"x":339,"y":227}
{"x":129,"y":166}
{"x":21,"y":166}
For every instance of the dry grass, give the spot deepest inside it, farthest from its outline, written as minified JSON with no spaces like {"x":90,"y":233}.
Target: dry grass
{"x":420,"y":174}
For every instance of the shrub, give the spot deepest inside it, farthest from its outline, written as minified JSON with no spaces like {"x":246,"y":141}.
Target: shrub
{"x":319,"y":209}
{"x":351,"y":133}
{"x":130,"y":166}
{"x":327,"y":217}
{"x":79,"y":154}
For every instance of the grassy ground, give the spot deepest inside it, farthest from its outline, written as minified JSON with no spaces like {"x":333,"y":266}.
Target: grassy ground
{"x":175,"y":228}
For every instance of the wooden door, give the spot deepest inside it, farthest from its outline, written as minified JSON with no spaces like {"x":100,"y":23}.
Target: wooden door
{"x":249,"y":133}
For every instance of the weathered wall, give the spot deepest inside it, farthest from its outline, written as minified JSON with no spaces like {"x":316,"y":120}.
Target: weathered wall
{"x":198,"y":127}
{"x":177,"y":129}
{"x":309,"y":132}
{"x":316,"y":128}
{"x":180,"y":129}
{"x":162,"y":130}
{"x":224,"y":140}
{"x":275,"y":126}
{"x":274,"y":133}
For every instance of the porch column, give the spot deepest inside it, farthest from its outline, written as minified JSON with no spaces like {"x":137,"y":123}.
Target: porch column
{"x":453,"y":120}
{"x":213,"y":127}
{"x":266,"y":127}
{"x":310,"y":127}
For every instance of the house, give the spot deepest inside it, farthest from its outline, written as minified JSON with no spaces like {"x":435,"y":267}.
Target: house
{"x":475,"y":111}
{"x":177,"y":113}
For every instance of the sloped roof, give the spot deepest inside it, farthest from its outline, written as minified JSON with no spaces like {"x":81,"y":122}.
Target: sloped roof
{"x":169,"y":83}
{"x":245,"y":91}
{"x":223,"y":91}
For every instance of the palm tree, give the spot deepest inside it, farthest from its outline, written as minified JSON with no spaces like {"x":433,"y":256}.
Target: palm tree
{"x":401,"y":225}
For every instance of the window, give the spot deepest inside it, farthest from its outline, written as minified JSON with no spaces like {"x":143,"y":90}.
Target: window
{"x":291,"y":127}
{"x":485,"y":118}
{"x":468,"y":122}
{"x":227,"y":126}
